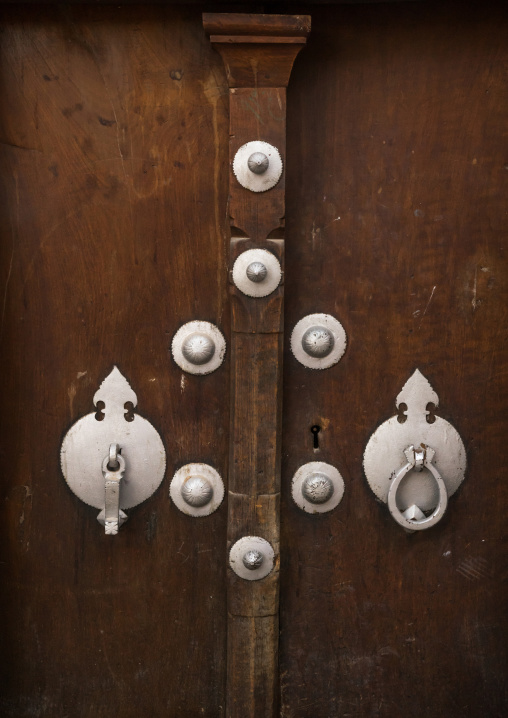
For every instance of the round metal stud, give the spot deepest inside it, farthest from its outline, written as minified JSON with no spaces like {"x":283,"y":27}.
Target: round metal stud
{"x":258,"y":162}
{"x":197,"y":489}
{"x":198,"y":347}
{"x":256,"y":272}
{"x":318,"y":341}
{"x":257,"y":166}
{"x":248,"y":271}
{"x":251,"y":558}
{"x":317,"y":487}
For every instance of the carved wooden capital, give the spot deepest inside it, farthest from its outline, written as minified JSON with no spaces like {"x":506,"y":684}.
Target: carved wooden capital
{"x":257,"y":50}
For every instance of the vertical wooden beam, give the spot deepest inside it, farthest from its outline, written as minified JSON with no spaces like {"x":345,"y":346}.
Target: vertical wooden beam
{"x":258,"y":53}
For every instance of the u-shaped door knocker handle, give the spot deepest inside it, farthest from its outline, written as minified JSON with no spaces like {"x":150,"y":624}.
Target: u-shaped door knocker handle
{"x":413,"y":517}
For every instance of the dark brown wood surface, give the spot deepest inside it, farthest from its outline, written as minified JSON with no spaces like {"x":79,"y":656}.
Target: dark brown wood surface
{"x":114,"y":132}
{"x":396,"y":197}
{"x":114,"y":232}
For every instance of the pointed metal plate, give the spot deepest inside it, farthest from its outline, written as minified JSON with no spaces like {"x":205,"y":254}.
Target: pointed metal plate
{"x":384,"y":453}
{"x":87,"y":443}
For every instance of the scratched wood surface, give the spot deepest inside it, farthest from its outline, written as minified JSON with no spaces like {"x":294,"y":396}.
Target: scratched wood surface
{"x":113,"y":164}
{"x":114,"y":145}
{"x":258,"y":59}
{"x":396,"y":191}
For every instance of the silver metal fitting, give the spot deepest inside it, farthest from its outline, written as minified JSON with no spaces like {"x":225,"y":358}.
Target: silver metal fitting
{"x":257,"y":272}
{"x":251,"y":558}
{"x":258,"y":163}
{"x":257,"y":166}
{"x":318,"y":341}
{"x":413,"y":518}
{"x":198,"y":347}
{"x":93,"y":465}
{"x":197,"y":489}
{"x":417,"y":490}
{"x":317,"y":487}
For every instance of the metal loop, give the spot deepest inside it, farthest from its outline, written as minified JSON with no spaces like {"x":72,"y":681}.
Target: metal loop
{"x":438,"y":513}
{"x":113,"y":463}
{"x":118,"y":471}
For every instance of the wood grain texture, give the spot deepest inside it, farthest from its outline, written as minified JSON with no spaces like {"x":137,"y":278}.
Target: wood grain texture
{"x":396,"y":214}
{"x":247,"y":25}
{"x":113,"y":154}
{"x":114,"y":184}
{"x":257,"y":114}
{"x":257,"y":74}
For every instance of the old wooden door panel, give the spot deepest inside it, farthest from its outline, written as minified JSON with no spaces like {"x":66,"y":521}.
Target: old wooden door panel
{"x":396,"y":214}
{"x":114,"y":133}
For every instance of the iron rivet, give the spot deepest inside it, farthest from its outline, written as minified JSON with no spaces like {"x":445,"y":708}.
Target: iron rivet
{"x":197,"y":491}
{"x":252,"y":559}
{"x":317,"y":488}
{"x":318,"y":342}
{"x":258,"y":163}
{"x":198,"y":349}
{"x":256,"y":272}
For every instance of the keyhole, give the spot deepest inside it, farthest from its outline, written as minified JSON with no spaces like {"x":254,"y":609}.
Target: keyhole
{"x":315,"y":432}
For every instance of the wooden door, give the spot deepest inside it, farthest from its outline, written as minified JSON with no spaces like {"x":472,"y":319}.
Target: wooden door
{"x":396,"y":206}
{"x":114,"y":149}
{"x":114,"y":170}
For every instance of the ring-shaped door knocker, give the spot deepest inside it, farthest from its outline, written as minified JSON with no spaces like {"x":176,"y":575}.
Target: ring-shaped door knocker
{"x":416,"y":520}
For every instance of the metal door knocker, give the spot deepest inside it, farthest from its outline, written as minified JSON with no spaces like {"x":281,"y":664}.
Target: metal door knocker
{"x":113,"y":459}
{"x":415,"y":461}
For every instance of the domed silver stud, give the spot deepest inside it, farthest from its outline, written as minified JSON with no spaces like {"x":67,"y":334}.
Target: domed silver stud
{"x":257,"y":166}
{"x":317,"y":488}
{"x":198,"y":347}
{"x":258,"y":163}
{"x":251,"y":558}
{"x":318,"y":342}
{"x":196,"y":489}
{"x":256,"y":272}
